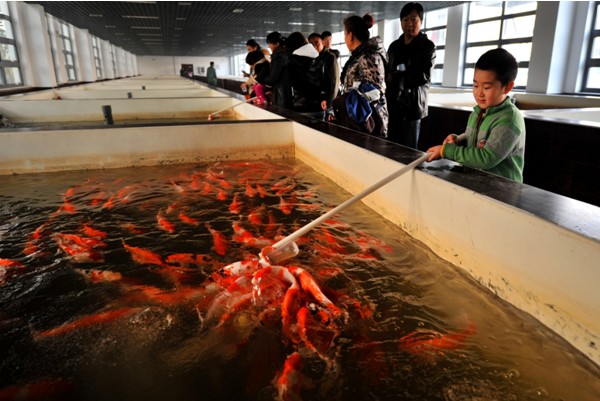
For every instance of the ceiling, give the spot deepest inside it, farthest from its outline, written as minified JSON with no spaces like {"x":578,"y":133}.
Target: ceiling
{"x":212,"y":28}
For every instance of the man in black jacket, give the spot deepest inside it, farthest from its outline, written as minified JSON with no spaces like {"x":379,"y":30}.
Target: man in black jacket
{"x":331,"y":71}
{"x":408,"y":79}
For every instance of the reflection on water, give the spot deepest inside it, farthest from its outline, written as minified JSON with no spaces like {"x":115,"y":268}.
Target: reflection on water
{"x":114,"y":289}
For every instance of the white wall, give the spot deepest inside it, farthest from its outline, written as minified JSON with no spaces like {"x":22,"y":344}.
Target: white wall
{"x":170,"y":65}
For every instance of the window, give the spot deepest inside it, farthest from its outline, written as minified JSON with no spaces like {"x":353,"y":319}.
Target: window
{"x":434,"y":25}
{"x":506,"y":24}
{"x":114,"y":61}
{"x":97,"y":57}
{"x":591,"y":75}
{"x":65,"y":36}
{"x":10,"y":69}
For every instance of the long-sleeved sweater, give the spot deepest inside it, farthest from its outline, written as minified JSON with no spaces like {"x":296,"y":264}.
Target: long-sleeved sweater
{"x":495,"y":141}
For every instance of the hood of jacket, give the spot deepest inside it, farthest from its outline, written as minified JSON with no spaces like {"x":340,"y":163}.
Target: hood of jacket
{"x":307,"y":50}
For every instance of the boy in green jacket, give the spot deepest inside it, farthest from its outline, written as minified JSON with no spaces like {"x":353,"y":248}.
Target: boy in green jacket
{"x":494,"y":140}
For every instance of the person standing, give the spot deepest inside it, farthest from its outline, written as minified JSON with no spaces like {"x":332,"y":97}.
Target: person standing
{"x":411,"y":59}
{"x":279,"y":76}
{"x":363,"y":72}
{"x":326,"y":36}
{"x":211,"y":74}
{"x":331,"y":71}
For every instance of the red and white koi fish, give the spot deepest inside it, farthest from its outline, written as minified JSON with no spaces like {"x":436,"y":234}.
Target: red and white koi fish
{"x":87,"y":321}
{"x":100,"y":276}
{"x":262,"y":192}
{"x":80,"y":249}
{"x":144,"y":256}
{"x":245,"y":237}
{"x":164,"y":224}
{"x":289,"y":380}
{"x":178,"y":188}
{"x":420,"y":342}
{"x":308,"y":284}
{"x":222,"y":195}
{"x":255,"y":217}
{"x":250,"y":192}
{"x":132,"y":228}
{"x":285,"y":206}
{"x":7,"y":266}
{"x":220,"y":243}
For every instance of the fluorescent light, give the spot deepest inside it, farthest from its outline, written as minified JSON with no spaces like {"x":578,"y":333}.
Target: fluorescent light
{"x":238,"y":10}
{"x":96,"y":15}
{"x":180,"y":19}
{"x":184,"y":4}
{"x":139,"y":17}
{"x":149,"y":34}
{"x":109,"y":26}
{"x":338,"y":11}
{"x":144,"y":27}
{"x":301,"y":23}
{"x":269,"y":22}
{"x":295,"y":8}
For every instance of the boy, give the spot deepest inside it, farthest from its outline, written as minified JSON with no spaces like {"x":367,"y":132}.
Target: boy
{"x":494,"y":140}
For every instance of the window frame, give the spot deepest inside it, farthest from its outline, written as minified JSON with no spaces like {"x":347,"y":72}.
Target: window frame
{"x":500,"y":42}
{"x":66,"y":39}
{"x":436,"y":65}
{"x":589,"y":61}
{"x":4,"y":64}
{"x":97,"y":57}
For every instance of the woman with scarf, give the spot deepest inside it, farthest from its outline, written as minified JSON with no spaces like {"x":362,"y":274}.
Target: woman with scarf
{"x":364,"y":72}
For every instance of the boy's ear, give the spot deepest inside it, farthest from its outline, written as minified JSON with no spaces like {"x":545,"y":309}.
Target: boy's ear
{"x":508,"y":87}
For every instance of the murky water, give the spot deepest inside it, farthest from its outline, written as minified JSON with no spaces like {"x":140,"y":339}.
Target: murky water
{"x":113,"y":289}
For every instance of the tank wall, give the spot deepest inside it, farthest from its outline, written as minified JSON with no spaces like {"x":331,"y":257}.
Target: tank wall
{"x":44,"y":151}
{"x":537,"y":266}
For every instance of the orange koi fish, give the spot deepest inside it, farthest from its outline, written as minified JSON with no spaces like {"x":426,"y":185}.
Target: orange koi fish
{"x":10,"y":263}
{"x":164,"y":224}
{"x":255,"y":217}
{"x":87,"y":321}
{"x":92,"y":232}
{"x":222,"y":195}
{"x":80,"y":249}
{"x":285,"y":206}
{"x":186,"y":260}
{"x":244,"y":236}
{"x":236,"y":206}
{"x":187,"y":219}
{"x":144,"y":256}
{"x":262,"y":192}
{"x":250,"y":192}
{"x":220,"y":242}
{"x":423,"y":341}
{"x":132,"y":228}
{"x":289,"y":380}
{"x":178,"y":188}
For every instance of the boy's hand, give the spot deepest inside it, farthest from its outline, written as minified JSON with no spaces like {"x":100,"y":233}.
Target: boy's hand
{"x":435,"y":152}
{"x":452,"y":138}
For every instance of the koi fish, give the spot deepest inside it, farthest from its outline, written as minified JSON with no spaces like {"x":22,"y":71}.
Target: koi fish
{"x":244,"y":236}
{"x":420,"y":342}
{"x":256,"y":216}
{"x":262,"y":192}
{"x":80,"y":249}
{"x":236,"y":205}
{"x":144,"y":256}
{"x":164,"y":224}
{"x":219,"y":241}
{"x":222,"y":195}
{"x":92,"y":232}
{"x":99,"y":276}
{"x":289,"y":380}
{"x":87,"y":321}
{"x":6,"y":266}
{"x":132,"y":228}
{"x":187,"y":219}
{"x":178,"y":188}
{"x":250,"y":192}
{"x":285,"y":206}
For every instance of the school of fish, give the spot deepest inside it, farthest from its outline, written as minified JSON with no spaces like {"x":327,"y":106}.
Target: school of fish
{"x":222,"y":277}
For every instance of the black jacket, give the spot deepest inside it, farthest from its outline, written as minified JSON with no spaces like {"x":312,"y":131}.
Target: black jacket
{"x":279,"y":79}
{"x":306,"y":80}
{"x":407,"y":90}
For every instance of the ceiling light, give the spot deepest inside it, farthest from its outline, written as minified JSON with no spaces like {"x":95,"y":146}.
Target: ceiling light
{"x":180,"y":19}
{"x":301,"y":23}
{"x":139,"y":17}
{"x":338,"y":11}
{"x":269,"y":22}
{"x":238,"y":10}
{"x":96,"y":15}
{"x":184,"y":4}
{"x":149,"y":34}
{"x":144,"y":27}
{"x":109,"y":26}
{"x":295,"y":8}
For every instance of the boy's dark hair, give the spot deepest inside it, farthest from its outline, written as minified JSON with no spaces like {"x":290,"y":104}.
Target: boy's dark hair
{"x":254,"y":57}
{"x":275,"y":37}
{"x":315,"y":35}
{"x":500,"y":62}
{"x":409,"y":8}
{"x":253,"y":43}
{"x":325,"y":34}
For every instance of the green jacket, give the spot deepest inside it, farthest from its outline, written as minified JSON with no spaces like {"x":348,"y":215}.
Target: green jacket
{"x":497,"y":145}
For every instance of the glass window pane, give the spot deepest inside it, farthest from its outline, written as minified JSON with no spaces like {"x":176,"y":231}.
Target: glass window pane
{"x":6,"y":30}
{"x":474,"y":52}
{"x":521,"y":27}
{"x":468,"y":78}
{"x":596,"y":47}
{"x":514,"y":7}
{"x":67,"y":45}
{"x":13,"y":76}
{"x":436,"y":75}
{"x":597,"y":24}
{"x":69,"y":59}
{"x":436,"y":18}
{"x":64,"y":29}
{"x":521,"y":51}
{"x":8,"y":52}
{"x":593,"y":79}
{"x":440,"y":54}
{"x":483,"y":31}
{"x":438,"y":37}
{"x":484,"y":9}
{"x":71,"y":73}
{"x":4,"y":8}
{"x":522,"y":77}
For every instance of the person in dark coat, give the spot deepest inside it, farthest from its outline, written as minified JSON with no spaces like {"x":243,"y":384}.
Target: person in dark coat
{"x":305,"y":75}
{"x":331,"y":71}
{"x":411,"y":58}
{"x":279,"y":76}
